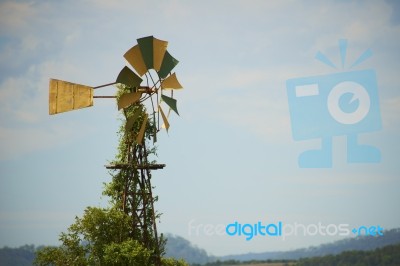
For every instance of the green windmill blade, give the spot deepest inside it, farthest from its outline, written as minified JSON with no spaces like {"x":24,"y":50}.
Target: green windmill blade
{"x":146,"y":48}
{"x":128,"y":78}
{"x":168,"y":63}
{"x":171,"y":102}
{"x":152,"y":50}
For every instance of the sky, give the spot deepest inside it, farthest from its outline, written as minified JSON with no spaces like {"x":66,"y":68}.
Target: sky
{"x":230,"y":155}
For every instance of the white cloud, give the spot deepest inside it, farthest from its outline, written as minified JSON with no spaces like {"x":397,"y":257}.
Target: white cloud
{"x":16,"y":16}
{"x":25,"y":124}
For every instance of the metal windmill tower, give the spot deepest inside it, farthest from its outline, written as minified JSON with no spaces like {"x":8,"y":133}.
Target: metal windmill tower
{"x":132,"y":173}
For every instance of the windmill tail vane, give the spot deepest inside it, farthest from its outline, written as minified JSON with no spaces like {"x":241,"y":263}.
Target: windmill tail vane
{"x":148,"y":54}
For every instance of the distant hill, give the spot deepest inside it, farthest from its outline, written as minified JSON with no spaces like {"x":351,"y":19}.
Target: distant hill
{"x":390,"y":237}
{"x":386,"y":256}
{"x":178,"y":247}
{"x":22,"y":256}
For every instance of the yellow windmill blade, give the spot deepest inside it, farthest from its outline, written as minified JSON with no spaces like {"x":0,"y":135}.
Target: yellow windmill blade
{"x":135,"y":58}
{"x":128,"y":99}
{"x":66,"y":96}
{"x":171,"y":82}
{"x":164,"y":118}
{"x":140,"y":136}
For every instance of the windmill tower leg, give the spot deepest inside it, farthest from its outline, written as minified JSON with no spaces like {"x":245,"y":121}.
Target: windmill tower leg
{"x":138,"y":200}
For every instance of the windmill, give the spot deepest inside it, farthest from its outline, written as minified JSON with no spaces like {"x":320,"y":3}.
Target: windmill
{"x":150,"y":82}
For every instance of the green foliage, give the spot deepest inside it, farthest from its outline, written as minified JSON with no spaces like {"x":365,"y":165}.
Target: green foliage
{"x":129,"y":252}
{"x":111,"y":236}
{"x":100,"y":237}
{"x":58,"y":256}
{"x":86,"y":239}
{"x":173,"y":262}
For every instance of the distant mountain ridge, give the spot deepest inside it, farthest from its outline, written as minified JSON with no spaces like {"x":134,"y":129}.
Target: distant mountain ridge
{"x":22,"y":256}
{"x":365,"y":243}
{"x":179,"y":247}
{"x":384,"y":256}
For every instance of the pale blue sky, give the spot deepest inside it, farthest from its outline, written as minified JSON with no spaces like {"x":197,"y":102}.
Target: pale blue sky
{"x":230,"y":155}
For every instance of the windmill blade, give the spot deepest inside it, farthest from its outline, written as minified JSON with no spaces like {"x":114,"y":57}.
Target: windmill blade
{"x":169,"y":113}
{"x":159,"y":50}
{"x":140,"y":136}
{"x":128,"y":98}
{"x":171,"y":83}
{"x":167,"y":65}
{"x":128,"y":78}
{"x":146,"y":49}
{"x":153,"y":51}
{"x":164,"y":118}
{"x":135,"y":59}
{"x":171,"y":102}
{"x":65,"y":96}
